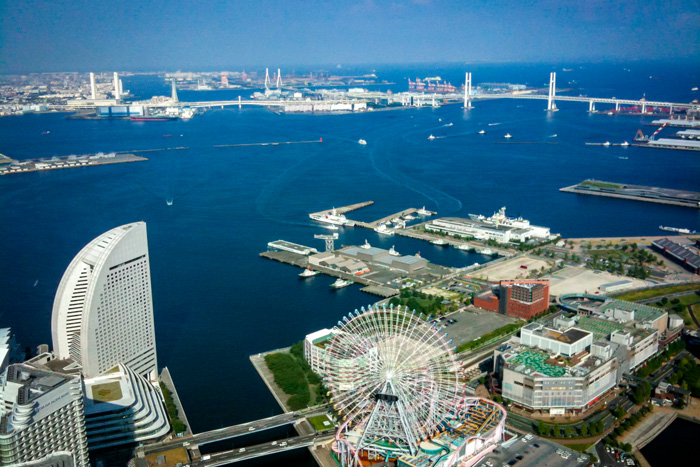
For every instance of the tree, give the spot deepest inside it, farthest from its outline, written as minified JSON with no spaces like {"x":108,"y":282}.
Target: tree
{"x":542,"y":429}
{"x":557,"y":431}
{"x":567,"y":431}
{"x":642,"y":393}
{"x":584,"y":430}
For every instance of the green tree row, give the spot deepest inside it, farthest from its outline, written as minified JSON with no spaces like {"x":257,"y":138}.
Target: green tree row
{"x":175,"y":422}
{"x":290,"y":376}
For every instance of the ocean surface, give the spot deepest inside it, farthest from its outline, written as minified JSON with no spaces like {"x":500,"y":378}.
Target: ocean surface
{"x":682,"y":435}
{"x":216,"y":301}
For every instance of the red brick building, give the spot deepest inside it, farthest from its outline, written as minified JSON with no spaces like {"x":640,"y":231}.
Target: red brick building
{"x":521,"y":299}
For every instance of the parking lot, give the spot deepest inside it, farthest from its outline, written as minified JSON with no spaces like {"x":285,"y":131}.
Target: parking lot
{"x":573,"y":279}
{"x":516,"y":268}
{"x":470,"y":324}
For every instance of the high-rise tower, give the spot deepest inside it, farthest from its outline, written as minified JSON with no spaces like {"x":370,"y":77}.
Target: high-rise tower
{"x":103,"y":310}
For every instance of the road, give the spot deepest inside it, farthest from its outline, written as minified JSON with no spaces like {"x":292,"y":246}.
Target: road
{"x":235,"y":430}
{"x":237,"y":455}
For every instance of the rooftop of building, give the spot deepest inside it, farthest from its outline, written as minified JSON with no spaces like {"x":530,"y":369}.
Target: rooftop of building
{"x":641,"y":312}
{"x":569,"y":336}
{"x":602,"y":328}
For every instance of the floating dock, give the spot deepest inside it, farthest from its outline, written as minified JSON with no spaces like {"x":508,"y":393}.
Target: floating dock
{"x":10,"y":166}
{"x":670,"y":143}
{"x":650,"y":194}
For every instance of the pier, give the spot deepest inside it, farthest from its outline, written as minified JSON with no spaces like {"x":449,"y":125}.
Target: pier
{"x":11,"y":166}
{"x":344,"y":209}
{"x":690,"y":199}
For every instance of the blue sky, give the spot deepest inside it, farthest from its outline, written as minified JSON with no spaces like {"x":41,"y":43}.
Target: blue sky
{"x":79,"y":35}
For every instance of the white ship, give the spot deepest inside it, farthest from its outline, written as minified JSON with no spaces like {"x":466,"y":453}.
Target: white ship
{"x":330,"y":226}
{"x":186,"y":114}
{"x":382,"y":229}
{"x":486,"y":251}
{"x":366,"y":246}
{"x":308,"y":273}
{"x":625,"y":144}
{"x":677,"y":230}
{"x":332,"y":217}
{"x":463,"y":246}
{"x":431,"y":137}
{"x":507,"y":135}
{"x":408,"y":217}
{"x":439,"y":242}
{"x":607,"y":143}
{"x":423,"y":212}
{"x":169,"y":201}
{"x":340,"y":283}
{"x":482,"y":132}
{"x":393,"y":252}
{"x":362,"y":142}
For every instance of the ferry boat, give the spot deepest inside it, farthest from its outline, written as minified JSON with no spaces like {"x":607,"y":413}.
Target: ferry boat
{"x":362,"y":142}
{"x":482,"y":132}
{"x":309,"y":273}
{"x":382,"y":229}
{"x":439,"y":242}
{"x":331,"y":217}
{"x":677,"y":230}
{"x":340,"y":283}
{"x":393,"y":252}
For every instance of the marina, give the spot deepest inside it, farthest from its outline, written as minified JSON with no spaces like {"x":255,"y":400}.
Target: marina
{"x":10,"y":166}
{"x":650,"y":194}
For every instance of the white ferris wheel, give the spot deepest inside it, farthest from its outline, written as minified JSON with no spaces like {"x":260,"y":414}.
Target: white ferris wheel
{"x":393,"y":379}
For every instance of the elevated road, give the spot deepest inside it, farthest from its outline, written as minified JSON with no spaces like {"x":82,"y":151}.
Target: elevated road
{"x":234,"y":431}
{"x":259,"y":450}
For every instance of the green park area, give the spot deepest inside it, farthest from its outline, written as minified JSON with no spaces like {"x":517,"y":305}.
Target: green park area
{"x":294,"y":376}
{"x":320,"y":423}
{"x":175,"y":422}
{"x":657,"y":292}
{"x":502,"y":331}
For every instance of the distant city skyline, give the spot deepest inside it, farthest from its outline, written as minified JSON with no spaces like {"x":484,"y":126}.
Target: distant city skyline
{"x":41,"y":36}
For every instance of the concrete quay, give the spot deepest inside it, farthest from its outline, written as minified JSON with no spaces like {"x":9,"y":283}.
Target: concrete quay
{"x":168,"y":381}
{"x":344,"y":209}
{"x":690,"y":199}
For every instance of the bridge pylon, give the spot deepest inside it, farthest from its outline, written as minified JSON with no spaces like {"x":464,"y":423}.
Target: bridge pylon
{"x":267,"y":78}
{"x":467,"y":90}
{"x":551,"y":106}
{"x":279,"y":79}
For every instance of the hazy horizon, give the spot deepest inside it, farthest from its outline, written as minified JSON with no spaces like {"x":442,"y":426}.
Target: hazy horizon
{"x":40,"y":36}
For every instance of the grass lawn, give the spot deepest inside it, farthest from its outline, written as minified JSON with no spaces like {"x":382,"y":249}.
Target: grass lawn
{"x":600,"y":184}
{"x":107,"y":392}
{"x":580,"y":447}
{"x":321,"y":423}
{"x":658,"y":292}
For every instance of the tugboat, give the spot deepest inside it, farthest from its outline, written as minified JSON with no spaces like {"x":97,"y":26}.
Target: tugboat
{"x":340,"y":283}
{"x":309,"y":273}
{"x":439,"y":242}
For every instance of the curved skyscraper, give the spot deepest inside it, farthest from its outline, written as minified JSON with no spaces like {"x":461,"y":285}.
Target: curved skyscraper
{"x":103,"y":310}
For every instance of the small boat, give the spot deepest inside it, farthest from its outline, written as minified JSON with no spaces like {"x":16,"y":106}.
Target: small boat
{"x":393,"y":252}
{"x":553,"y":136}
{"x":431,"y":137}
{"x":309,"y":273}
{"x":366,"y":246}
{"x":507,"y":135}
{"x":439,"y":242}
{"x":362,"y":142}
{"x":463,"y":246}
{"x":694,"y":89}
{"x":169,"y":201}
{"x":382,"y":229}
{"x":449,"y":124}
{"x":486,"y":251}
{"x":408,"y":217}
{"x":329,"y":226}
{"x":607,"y":143}
{"x":482,"y":132}
{"x":611,"y":113}
{"x":340,"y":283}
{"x":423,"y":212}
{"x":45,"y":132}
{"x":625,"y":158}
{"x":492,"y":124}
{"x":625,"y":144}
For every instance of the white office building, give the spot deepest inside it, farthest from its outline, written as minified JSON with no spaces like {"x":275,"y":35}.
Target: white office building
{"x":315,"y":349}
{"x":103,"y":310}
{"x":41,"y":414}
